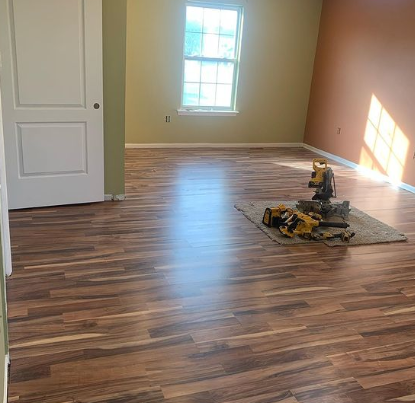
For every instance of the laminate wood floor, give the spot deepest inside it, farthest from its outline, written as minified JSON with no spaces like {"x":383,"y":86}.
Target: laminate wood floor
{"x":174,"y":297}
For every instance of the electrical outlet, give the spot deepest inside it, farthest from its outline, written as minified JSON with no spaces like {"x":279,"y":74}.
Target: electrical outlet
{"x":339,"y":130}
{"x":168,"y":119}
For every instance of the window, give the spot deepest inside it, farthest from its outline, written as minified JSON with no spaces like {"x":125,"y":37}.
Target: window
{"x":211,"y":56}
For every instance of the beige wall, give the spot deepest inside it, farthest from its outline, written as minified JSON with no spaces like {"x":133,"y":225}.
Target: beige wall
{"x":364,"y":82}
{"x":279,"y":42}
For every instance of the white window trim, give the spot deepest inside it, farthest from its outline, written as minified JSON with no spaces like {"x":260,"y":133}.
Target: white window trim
{"x":209,"y":110}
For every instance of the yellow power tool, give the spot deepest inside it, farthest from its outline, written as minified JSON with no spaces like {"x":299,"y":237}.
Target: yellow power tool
{"x":303,"y":225}
{"x":344,"y":236}
{"x":322,"y":179}
{"x":275,"y":216}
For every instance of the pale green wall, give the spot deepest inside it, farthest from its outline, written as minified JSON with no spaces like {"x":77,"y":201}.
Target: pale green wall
{"x":278,"y":49}
{"x":114,"y":37}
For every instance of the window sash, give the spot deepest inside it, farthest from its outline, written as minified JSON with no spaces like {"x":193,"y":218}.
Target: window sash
{"x":234,"y":61}
{"x":233,"y":84}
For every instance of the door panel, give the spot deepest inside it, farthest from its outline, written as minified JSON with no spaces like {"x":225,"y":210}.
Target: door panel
{"x":49,"y":70}
{"x":52,"y":75}
{"x":52,"y":149}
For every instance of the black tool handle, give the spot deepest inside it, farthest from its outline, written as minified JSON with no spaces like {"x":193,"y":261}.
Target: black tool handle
{"x":334,"y":224}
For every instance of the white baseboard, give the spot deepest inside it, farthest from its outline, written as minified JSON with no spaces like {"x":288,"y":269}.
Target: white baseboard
{"x":365,"y":171}
{"x":111,"y":197}
{"x":212,"y":145}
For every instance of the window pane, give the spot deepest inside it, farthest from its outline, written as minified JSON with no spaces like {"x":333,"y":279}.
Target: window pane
{"x":224,"y":95}
{"x":210,"y":45}
{"x":225,"y":73}
{"x":191,"y":94}
{"x":194,"y":19}
{"x":211,"y":21}
{"x":193,"y":44}
{"x":192,"y":71}
{"x":209,"y":72}
{"x":227,"y":47}
{"x":228,"y":22}
{"x":207,"y":94}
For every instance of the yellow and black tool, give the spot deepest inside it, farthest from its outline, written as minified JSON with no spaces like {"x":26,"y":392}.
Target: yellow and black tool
{"x":275,"y":216}
{"x":344,"y":236}
{"x":309,"y":216}
{"x":322,"y":179}
{"x":303,"y":225}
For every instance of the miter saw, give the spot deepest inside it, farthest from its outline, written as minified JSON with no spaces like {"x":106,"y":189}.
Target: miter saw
{"x":323,"y":181}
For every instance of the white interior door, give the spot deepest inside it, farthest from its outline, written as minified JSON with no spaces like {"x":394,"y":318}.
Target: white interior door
{"x":52,"y":95}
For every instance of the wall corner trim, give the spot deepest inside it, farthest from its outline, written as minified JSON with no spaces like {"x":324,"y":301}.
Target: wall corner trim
{"x":365,"y":171}
{"x":212,"y":145}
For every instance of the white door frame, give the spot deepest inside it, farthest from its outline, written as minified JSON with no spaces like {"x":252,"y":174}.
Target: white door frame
{"x":4,"y":206}
{"x":7,"y":259}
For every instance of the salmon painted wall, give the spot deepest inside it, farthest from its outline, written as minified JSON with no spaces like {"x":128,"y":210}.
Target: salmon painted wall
{"x":364,"y":83}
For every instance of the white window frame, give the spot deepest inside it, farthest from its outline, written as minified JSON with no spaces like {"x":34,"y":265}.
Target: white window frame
{"x":204,"y":110}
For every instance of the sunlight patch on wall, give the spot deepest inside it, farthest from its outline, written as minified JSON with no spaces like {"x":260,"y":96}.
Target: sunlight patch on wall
{"x":386,"y":146}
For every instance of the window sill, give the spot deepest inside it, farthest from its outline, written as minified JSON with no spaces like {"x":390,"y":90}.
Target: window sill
{"x":201,"y":112}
